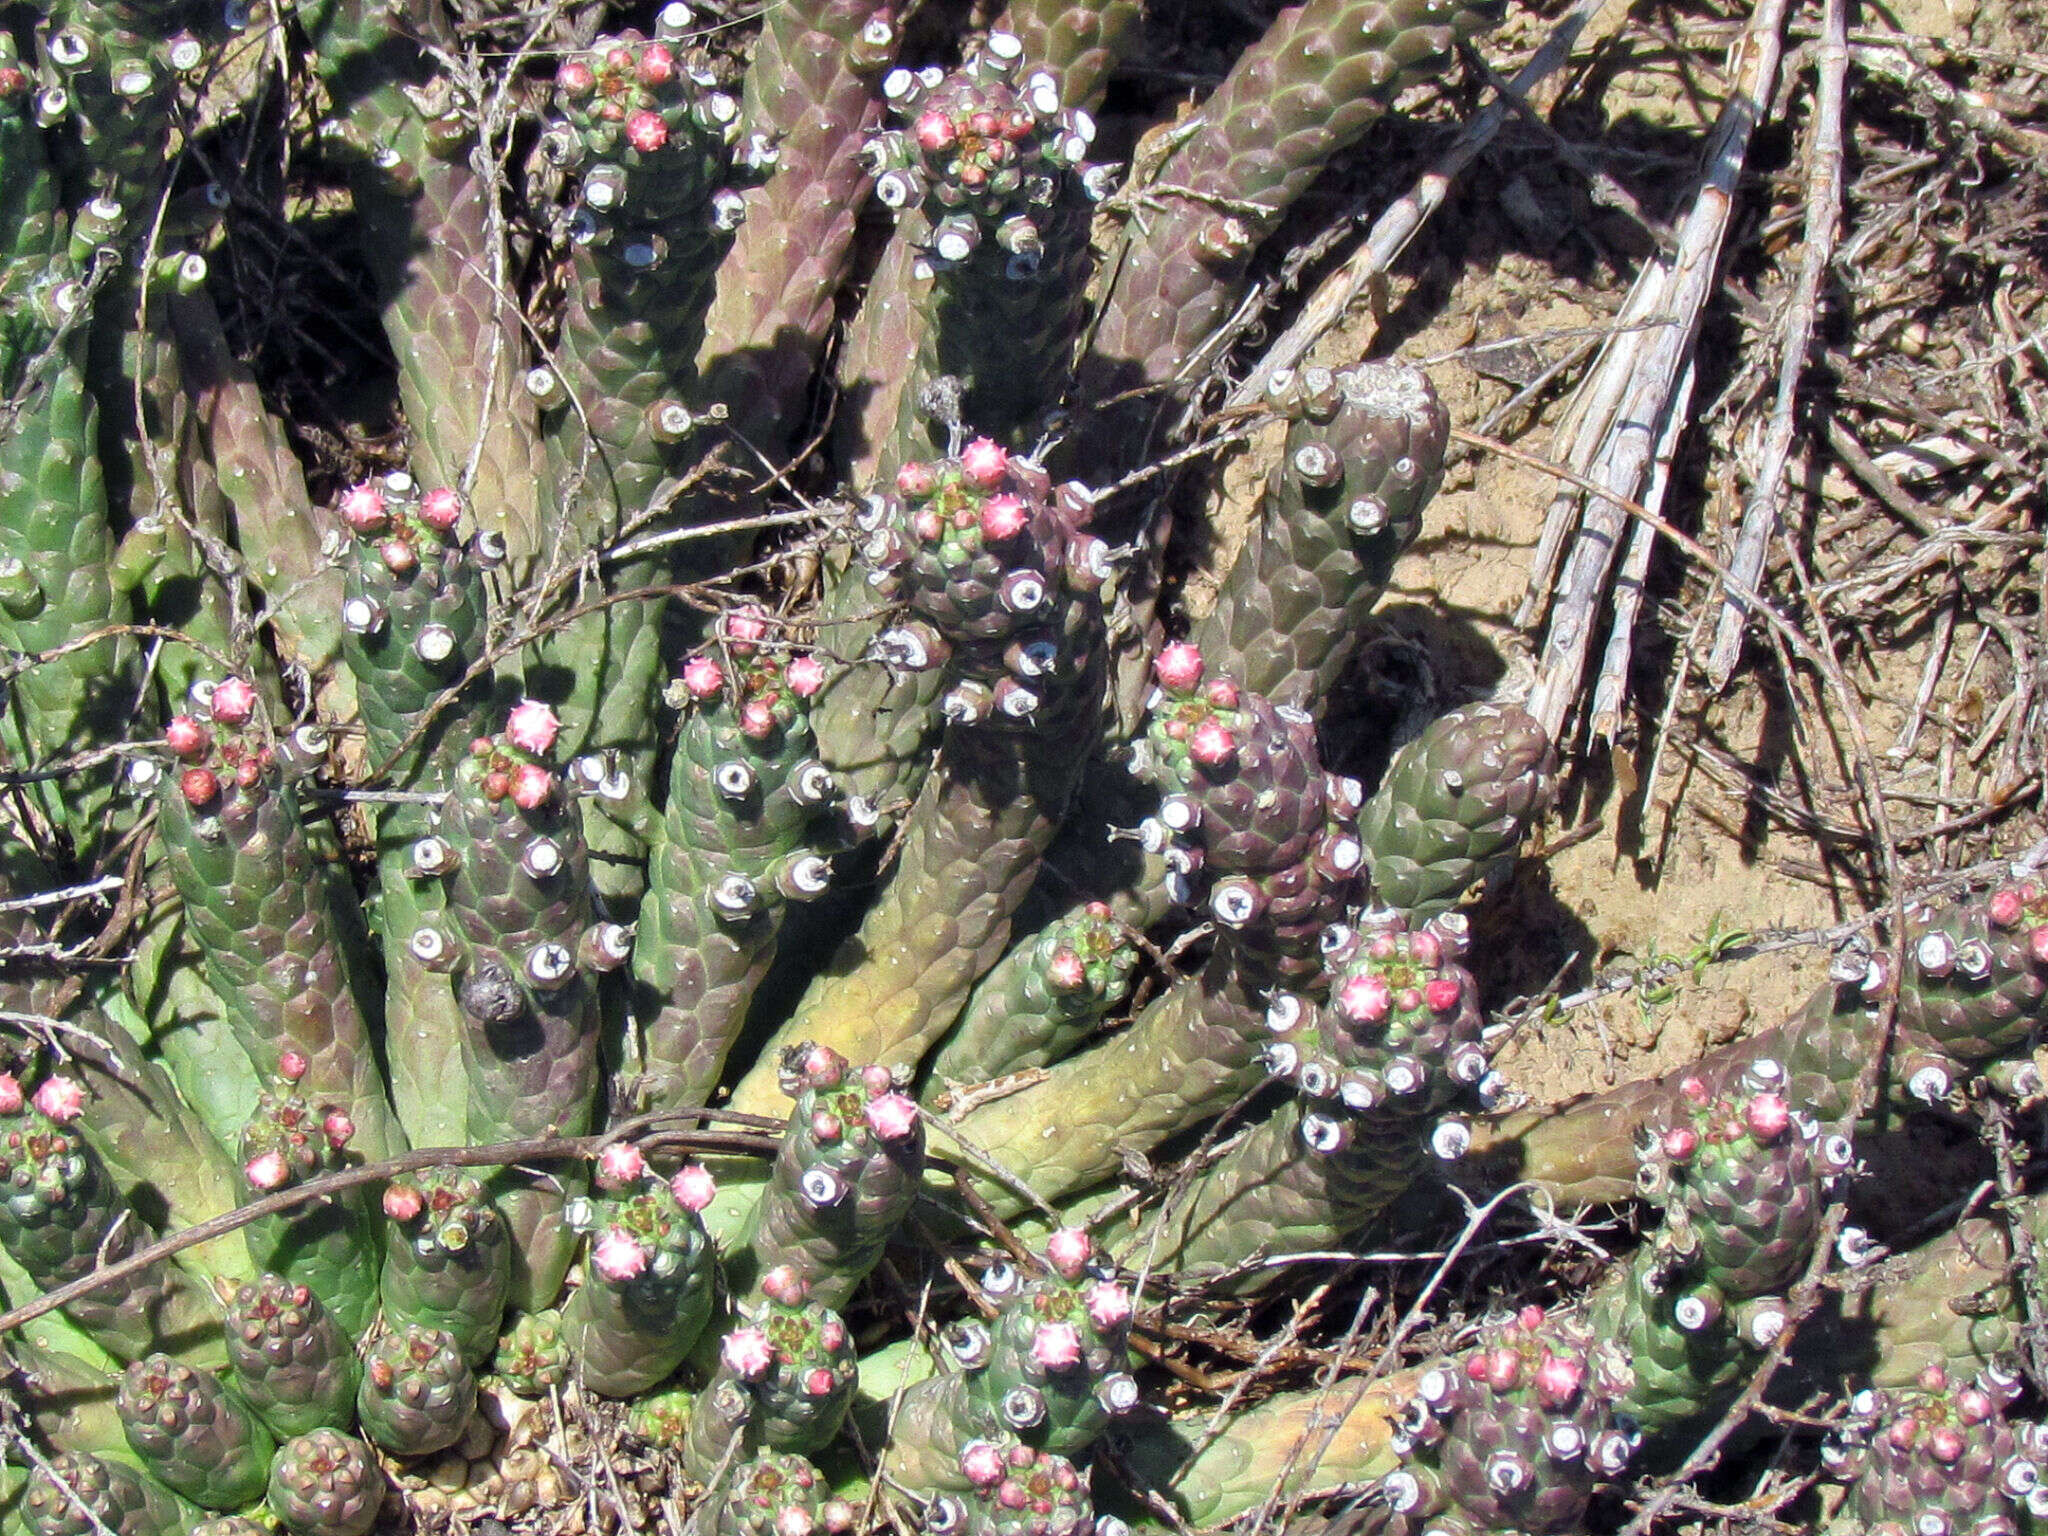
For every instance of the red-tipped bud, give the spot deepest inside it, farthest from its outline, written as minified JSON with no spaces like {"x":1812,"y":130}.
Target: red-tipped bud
{"x":1680,"y":1142}
{"x":399,"y":557}
{"x":747,"y":1353}
{"x":362,"y":508}
{"x":186,"y":736}
{"x":1212,"y":744}
{"x":984,"y":462}
{"x":784,"y":1285}
{"x":497,"y":786}
{"x":620,"y":1164}
{"x":1178,"y":666}
{"x":1558,"y":1378}
{"x":982,"y":1464}
{"x":657,"y":66}
{"x":402,"y":1202}
{"x":292,"y":1064}
{"x":1068,"y":1250}
{"x":820,"y":1382}
{"x":618,"y":1256}
{"x":702,"y":677}
{"x":576,"y":78}
{"x":916,"y":478}
{"x":1442,"y":994}
{"x":1365,"y":999}
{"x":532,"y":727}
{"x":1946,"y":1444}
{"x":804,"y":674}
{"x":893,"y":1116}
{"x":61,"y":1099}
{"x":441,"y":508}
{"x":693,"y":1188}
{"x":1056,"y":1346}
{"x":757,"y":720}
{"x":2005,"y":907}
{"x":1222,"y":693}
{"x":1767,"y":1116}
{"x":531,"y":786}
{"x":1503,"y":1369}
{"x":11,"y":1098}
{"x":1693,"y":1089}
{"x":266,"y":1170}
{"x":338,"y":1128}
{"x":646,"y":131}
{"x":1003,"y":517}
{"x":934,"y":132}
{"x":2037,"y":944}
{"x":234,"y":700}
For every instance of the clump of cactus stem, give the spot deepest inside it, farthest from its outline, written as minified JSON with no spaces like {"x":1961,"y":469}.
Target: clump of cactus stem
{"x":816,"y":934}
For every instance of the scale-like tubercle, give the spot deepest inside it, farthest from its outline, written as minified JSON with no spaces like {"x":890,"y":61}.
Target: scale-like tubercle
{"x":784,"y":1381}
{"x":1001,"y":580}
{"x":533,"y":1358}
{"x":778,"y":1493}
{"x":193,"y":1434}
{"x":289,"y":1359}
{"x":416,"y":1394}
{"x":1364,"y":455}
{"x":747,"y":828}
{"x":1043,"y":999}
{"x":1938,"y":1458}
{"x":518,"y":933}
{"x":1742,"y":1177}
{"x":61,"y":1217}
{"x":447,"y":1258}
{"x":1455,"y":805}
{"x":845,"y":1176}
{"x":649,"y":1276}
{"x":1378,"y":1070}
{"x":79,"y":1495}
{"x":257,"y":901}
{"x":1512,"y":1434}
{"x":327,"y":1244}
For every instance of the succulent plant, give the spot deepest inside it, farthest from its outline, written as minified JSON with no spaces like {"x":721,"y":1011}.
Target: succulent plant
{"x":193,"y":1434}
{"x":1037,"y":887}
{"x":417,"y":1392}
{"x":290,"y":1360}
{"x":326,"y":1483}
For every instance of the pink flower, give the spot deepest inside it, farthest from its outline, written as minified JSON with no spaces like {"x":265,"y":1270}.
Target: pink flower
{"x":1069,"y":1250}
{"x":1109,"y":1304}
{"x":1212,"y":744}
{"x":702,"y":677}
{"x":266,"y":1170}
{"x":892,"y":1117}
{"x":1003,"y":517}
{"x":618,"y":1256}
{"x":11,"y":1098}
{"x":61,"y":1099}
{"x":233,"y":700}
{"x":1442,"y":994}
{"x":693,"y":1188}
{"x":1680,"y":1142}
{"x":1222,"y":693}
{"x":186,"y":736}
{"x":1767,"y":1115}
{"x":982,"y":1464}
{"x":402,"y":1202}
{"x":934,"y":132}
{"x":1558,"y":1378}
{"x":532,"y":726}
{"x":362,"y":508}
{"x":199,"y":787}
{"x":657,"y":66}
{"x":620,"y":1164}
{"x":441,"y":508}
{"x":1365,"y":999}
{"x":747,"y":1353}
{"x":1068,"y":972}
{"x":646,"y":132}
{"x":804,"y":674}
{"x":575,"y":77}
{"x":744,"y":626}
{"x":984,"y":462}
{"x":1178,"y":666}
{"x":531,"y":786}
{"x":795,"y":1522}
